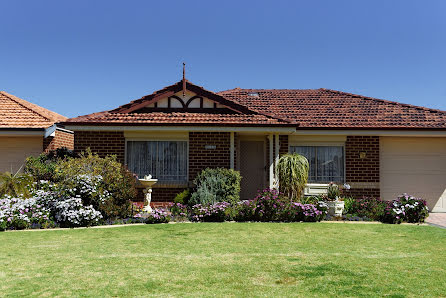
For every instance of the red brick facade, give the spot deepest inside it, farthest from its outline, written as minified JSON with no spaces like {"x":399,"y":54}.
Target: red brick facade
{"x":101,"y":142}
{"x":212,"y":149}
{"x":283,"y":144}
{"x":201,"y":158}
{"x":362,"y":165}
{"x":61,"y":139}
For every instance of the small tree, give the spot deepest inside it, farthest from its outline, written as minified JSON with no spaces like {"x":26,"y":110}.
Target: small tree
{"x":292,"y":173}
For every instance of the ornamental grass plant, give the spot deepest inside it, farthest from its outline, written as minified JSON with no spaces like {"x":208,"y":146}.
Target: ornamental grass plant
{"x":292,"y":172}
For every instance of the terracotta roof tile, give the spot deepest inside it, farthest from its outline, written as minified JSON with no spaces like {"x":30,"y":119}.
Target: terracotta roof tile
{"x":324,"y":108}
{"x":305,"y":108}
{"x":18,"y":113}
{"x":176,"y":118}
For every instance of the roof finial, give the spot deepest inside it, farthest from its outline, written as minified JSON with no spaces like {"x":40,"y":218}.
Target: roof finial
{"x":184,"y":79}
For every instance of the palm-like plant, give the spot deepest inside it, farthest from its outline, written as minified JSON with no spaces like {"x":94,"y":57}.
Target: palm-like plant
{"x":14,"y":185}
{"x":292,"y":173}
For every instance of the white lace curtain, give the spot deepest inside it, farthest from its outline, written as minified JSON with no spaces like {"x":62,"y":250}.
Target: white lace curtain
{"x":164,"y":160}
{"x":326,"y":162}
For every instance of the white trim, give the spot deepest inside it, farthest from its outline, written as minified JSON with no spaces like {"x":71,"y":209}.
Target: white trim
{"x":282,"y":130}
{"x":231,"y":150}
{"x":276,"y":159}
{"x":271,"y":161}
{"x":50,"y":131}
{"x":64,"y":130}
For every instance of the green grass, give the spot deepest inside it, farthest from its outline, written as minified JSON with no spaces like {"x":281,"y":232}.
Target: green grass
{"x":226,"y":259}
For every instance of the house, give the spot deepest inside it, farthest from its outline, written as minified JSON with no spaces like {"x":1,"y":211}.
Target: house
{"x":381,"y":148}
{"x":27,"y":130}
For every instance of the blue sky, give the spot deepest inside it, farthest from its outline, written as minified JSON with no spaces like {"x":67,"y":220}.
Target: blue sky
{"x":79,"y":57}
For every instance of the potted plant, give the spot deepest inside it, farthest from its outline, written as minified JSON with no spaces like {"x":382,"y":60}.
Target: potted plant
{"x":335,"y":203}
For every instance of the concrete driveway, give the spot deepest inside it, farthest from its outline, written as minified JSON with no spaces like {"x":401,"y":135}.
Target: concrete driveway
{"x":437,"y":219}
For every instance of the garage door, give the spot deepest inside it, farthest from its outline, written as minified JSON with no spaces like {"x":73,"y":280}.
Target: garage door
{"x":14,"y":151}
{"x":416,"y":166}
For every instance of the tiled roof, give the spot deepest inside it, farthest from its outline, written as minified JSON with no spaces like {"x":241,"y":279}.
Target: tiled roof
{"x":176,"y":118}
{"x":18,"y":113}
{"x":303,"y":108}
{"x":324,"y":108}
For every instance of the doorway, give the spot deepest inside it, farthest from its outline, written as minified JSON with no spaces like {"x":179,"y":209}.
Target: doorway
{"x":252,"y":168}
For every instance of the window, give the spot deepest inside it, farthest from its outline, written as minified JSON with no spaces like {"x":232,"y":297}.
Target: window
{"x":164,"y":160}
{"x":326,"y":162}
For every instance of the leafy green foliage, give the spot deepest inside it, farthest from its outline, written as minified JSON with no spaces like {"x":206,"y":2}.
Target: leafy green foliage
{"x":216,"y":185}
{"x":182,"y":197}
{"x":292,"y":172}
{"x":333,"y":191}
{"x":43,"y":166}
{"x":309,"y":200}
{"x":15,"y":185}
{"x":117,"y":180}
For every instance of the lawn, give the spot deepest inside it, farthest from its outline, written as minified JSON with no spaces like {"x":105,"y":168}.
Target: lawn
{"x":226,"y":259}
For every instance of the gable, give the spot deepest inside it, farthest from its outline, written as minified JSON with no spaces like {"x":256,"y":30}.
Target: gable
{"x":195,"y":99}
{"x":190,"y":101}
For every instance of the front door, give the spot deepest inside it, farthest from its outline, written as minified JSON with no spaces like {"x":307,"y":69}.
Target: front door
{"x":252,"y":168}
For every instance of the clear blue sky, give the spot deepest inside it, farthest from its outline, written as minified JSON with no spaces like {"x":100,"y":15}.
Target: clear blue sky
{"x":79,"y":57}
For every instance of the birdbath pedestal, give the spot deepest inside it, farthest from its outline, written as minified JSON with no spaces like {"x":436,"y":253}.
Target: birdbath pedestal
{"x":148,"y":182}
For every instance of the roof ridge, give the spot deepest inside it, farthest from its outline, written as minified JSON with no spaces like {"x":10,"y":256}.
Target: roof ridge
{"x":256,"y":89}
{"x":41,"y":111}
{"x":384,"y":101}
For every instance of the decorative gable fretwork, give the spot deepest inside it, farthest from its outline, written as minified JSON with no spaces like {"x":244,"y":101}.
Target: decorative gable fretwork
{"x":189,"y":101}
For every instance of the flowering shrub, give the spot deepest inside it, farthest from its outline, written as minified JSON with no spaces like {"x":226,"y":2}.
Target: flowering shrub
{"x":216,"y":212}
{"x":372,"y":208}
{"x":393,"y":213}
{"x":245,"y":210}
{"x":71,"y":212}
{"x":21,"y":213}
{"x":178,"y":211}
{"x":269,"y":205}
{"x":415,"y":209}
{"x":115,"y":182}
{"x":158,"y":215}
{"x":404,"y":208}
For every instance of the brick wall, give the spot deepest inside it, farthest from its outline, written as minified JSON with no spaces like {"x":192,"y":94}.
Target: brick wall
{"x":283,"y":144}
{"x":201,"y":158}
{"x":362,"y":165}
{"x":101,"y":142}
{"x":61,"y":139}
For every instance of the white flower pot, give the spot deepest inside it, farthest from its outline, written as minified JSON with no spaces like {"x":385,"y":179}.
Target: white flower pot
{"x":335,"y":208}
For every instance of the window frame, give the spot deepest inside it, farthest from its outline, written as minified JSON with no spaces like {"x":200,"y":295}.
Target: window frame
{"x":323,"y":144}
{"x":162,"y":183}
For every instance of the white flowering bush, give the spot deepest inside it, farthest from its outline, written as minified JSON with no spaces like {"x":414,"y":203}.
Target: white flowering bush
{"x":88,"y":187}
{"x":405,"y":208}
{"x":22,"y":213}
{"x":67,"y":206}
{"x":74,"y":204}
{"x":71,"y":212}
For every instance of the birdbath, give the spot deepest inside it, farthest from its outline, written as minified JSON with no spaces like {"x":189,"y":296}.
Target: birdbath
{"x":148,"y":182}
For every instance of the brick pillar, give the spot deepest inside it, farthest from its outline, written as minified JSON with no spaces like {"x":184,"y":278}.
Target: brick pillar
{"x":362,"y":165}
